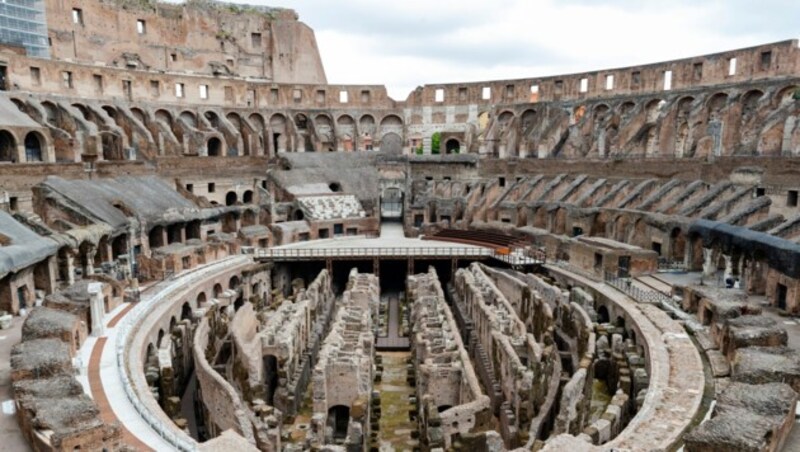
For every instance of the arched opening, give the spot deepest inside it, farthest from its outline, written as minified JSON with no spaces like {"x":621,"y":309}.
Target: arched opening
{"x":443,"y":408}
{"x":119,"y":246}
{"x":338,"y":420}
{"x":231,"y":198}
{"x":233,"y":284}
{"x":298,"y":215}
{"x":33,"y":147}
{"x":8,"y":147}
{"x":193,"y":230}
{"x":452,"y":146}
{"x":247,"y":197}
{"x":186,"y":311}
{"x":270,"y":378}
{"x":214,"y":147}
{"x":217,"y":290}
{"x":156,"y":237}
{"x":602,"y":315}
{"x":335,"y":187}
{"x":201,"y":297}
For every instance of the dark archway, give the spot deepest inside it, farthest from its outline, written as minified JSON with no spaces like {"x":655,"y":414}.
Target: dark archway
{"x":602,"y":315}
{"x":231,"y":198}
{"x":452,"y":146}
{"x":214,"y":147}
{"x":33,"y":147}
{"x":8,"y":147}
{"x":247,"y":197}
{"x":338,"y":420}
{"x":186,"y":311}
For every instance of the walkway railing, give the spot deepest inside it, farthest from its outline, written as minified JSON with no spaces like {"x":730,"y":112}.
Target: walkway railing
{"x":179,"y":440}
{"x":369,"y":252}
{"x":637,"y":293}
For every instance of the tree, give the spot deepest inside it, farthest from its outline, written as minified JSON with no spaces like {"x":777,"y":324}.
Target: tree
{"x":436,"y":142}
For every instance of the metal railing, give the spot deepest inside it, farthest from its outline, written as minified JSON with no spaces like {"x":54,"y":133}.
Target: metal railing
{"x":129,"y":324}
{"x":370,"y":252}
{"x":626,"y":286}
{"x":668,"y":265}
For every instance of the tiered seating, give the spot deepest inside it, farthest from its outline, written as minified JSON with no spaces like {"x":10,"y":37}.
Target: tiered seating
{"x":332,"y":207}
{"x":480,"y":238}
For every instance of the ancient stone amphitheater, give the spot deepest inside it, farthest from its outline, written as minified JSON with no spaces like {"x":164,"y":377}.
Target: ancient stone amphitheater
{"x":205,"y":246}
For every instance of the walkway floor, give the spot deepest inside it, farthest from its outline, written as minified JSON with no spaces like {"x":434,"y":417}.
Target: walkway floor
{"x":393,"y":340}
{"x":10,"y":433}
{"x":391,"y":236}
{"x":395,"y":424}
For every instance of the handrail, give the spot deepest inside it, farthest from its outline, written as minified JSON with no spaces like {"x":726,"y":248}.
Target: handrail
{"x":129,"y":324}
{"x":514,"y":256}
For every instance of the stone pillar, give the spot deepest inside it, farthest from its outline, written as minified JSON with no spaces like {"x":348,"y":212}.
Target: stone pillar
{"x":97,"y":308}
{"x":90,"y":253}
{"x":728,"y":267}
{"x":183,"y":233}
{"x":21,"y":152}
{"x":70,"y":267}
{"x":709,"y":266}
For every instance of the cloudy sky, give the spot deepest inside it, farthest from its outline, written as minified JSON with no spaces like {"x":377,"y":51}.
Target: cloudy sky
{"x":407,"y":43}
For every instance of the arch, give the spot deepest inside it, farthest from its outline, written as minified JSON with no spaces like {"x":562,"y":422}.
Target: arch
{"x":257,"y":121}
{"x":164,"y":116}
{"x":138,"y":113}
{"x":338,"y":421}
{"x":234,"y":282}
{"x":51,"y":113}
{"x":34,"y":142}
{"x":505,"y":117}
{"x":298,"y":215}
{"x":214,"y":147}
{"x":391,"y":120}
{"x":345,"y":120}
{"x":335,"y":187}
{"x":602,"y":315}
{"x":160,"y":337}
{"x":247,"y":197}
{"x":750,"y":100}
{"x":626,"y":109}
{"x":186,"y":311}
{"x":189,"y":117}
{"x":452,"y":146}
{"x":301,"y":121}
{"x":193,"y":229}
{"x":231,"y":198}
{"x":201,"y":297}
{"x":716,"y":104}
{"x":155,"y":237}
{"x":786,"y":95}
{"x":8,"y":146}
{"x":366,"y":123}
{"x":217,"y":290}
{"x":110,"y":111}
{"x":213,"y":118}
{"x":392,"y":143}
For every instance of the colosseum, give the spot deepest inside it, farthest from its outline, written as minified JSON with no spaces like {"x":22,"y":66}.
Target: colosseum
{"x":205,"y":246}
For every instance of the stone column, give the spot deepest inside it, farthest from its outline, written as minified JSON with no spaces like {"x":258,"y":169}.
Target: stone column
{"x":70,"y":267}
{"x":90,"y":253}
{"x":709,"y":266}
{"x":97,"y":308}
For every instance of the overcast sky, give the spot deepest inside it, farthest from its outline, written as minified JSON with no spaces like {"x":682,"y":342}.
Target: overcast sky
{"x":406,"y":43}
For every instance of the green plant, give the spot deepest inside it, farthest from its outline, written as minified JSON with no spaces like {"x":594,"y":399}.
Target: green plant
{"x":436,"y":142}
{"x":419,"y":150}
